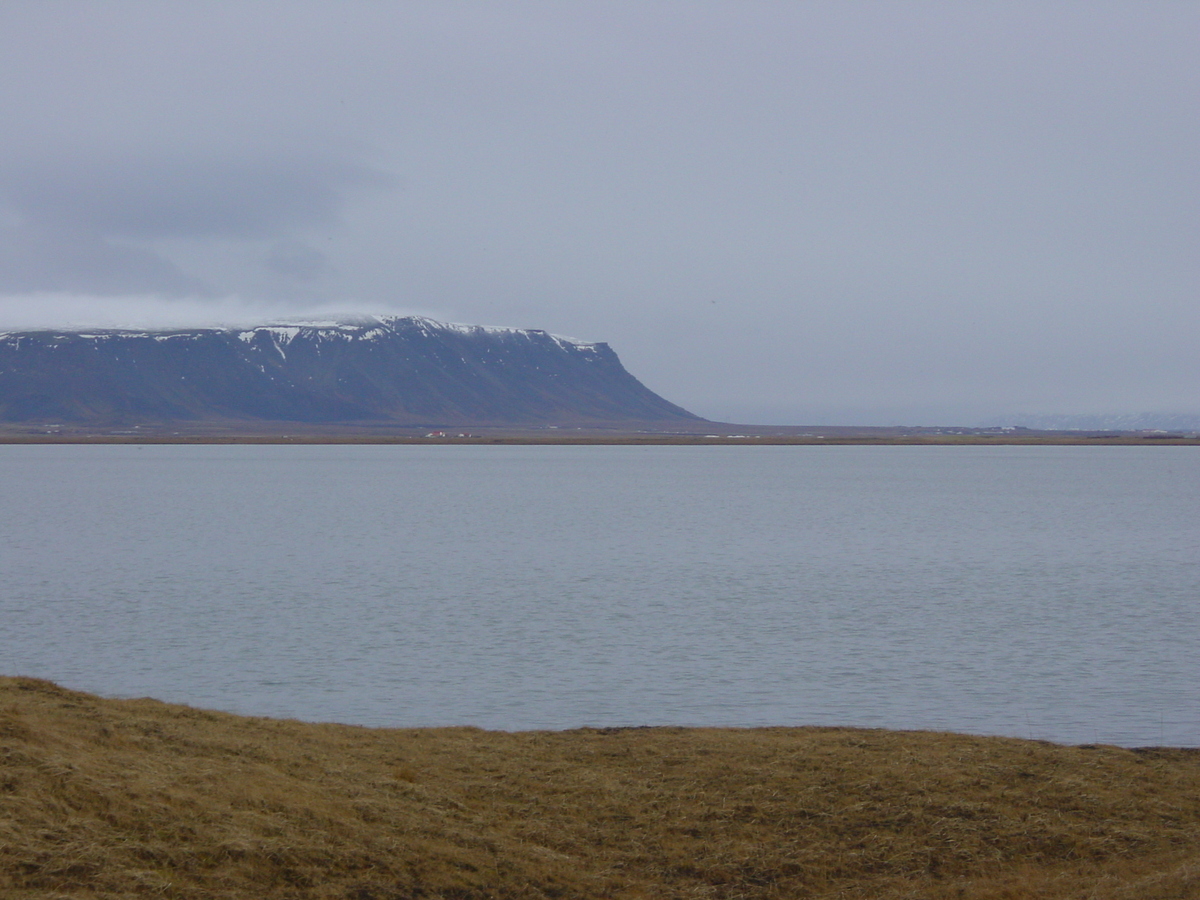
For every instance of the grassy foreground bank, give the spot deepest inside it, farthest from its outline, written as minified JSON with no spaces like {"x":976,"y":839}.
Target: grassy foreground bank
{"x":107,"y":798}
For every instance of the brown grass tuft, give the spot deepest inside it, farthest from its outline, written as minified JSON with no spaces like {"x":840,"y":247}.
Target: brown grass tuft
{"x":107,"y":799}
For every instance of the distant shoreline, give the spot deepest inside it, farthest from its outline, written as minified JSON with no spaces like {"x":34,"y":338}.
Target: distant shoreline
{"x":590,"y":437}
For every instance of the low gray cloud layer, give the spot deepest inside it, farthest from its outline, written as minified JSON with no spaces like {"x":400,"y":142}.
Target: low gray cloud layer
{"x":76,"y":216}
{"x":168,"y":196}
{"x":884,"y":212}
{"x":36,"y":258}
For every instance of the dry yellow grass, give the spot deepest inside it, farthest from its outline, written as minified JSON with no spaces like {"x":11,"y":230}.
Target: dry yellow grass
{"x":104,"y":798}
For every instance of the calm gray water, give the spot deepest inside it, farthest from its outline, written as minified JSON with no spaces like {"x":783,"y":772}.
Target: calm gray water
{"x":1046,"y":592}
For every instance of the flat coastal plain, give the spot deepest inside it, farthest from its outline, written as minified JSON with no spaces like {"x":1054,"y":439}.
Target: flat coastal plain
{"x":635,"y":434}
{"x":104,"y":798}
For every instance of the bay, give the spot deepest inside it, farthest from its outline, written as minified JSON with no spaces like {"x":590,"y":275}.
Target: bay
{"x":1044,"y":592}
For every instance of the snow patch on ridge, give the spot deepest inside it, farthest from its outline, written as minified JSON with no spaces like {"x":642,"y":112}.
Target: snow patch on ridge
{"x":561,"y":340}
{"x":283,"y":332}
{"x":112,"y":334}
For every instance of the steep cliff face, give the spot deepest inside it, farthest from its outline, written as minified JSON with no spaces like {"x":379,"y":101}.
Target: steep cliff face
{"x":400,"y":370}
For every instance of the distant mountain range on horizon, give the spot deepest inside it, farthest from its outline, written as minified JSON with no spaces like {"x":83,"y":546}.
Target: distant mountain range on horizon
{"x":398,"y":370}
{"x":1145,"y":421}
{"x":392,"y":370}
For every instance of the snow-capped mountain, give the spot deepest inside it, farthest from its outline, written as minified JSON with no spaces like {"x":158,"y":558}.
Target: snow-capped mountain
{"x":403,"y":370}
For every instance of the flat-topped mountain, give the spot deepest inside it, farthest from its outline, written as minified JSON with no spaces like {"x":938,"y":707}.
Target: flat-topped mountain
{"x":401,"y":370}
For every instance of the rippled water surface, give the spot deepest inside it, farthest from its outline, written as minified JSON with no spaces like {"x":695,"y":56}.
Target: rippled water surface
{"x":1047,"y":592}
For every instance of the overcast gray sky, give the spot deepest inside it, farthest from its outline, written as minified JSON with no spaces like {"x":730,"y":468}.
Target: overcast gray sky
{"x":807,"y":212}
